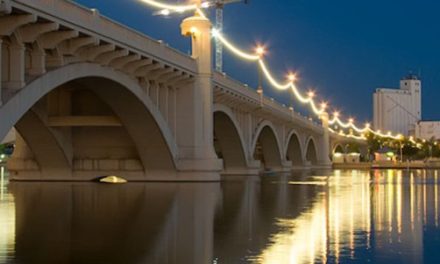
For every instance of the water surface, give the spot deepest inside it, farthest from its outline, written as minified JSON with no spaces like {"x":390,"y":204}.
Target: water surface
{"x":305,"y":217}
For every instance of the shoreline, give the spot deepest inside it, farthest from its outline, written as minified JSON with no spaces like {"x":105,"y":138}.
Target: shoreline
{"x":396,"y":165}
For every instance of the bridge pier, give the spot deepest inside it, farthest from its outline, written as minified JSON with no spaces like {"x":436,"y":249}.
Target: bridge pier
{"x":196,"y":142}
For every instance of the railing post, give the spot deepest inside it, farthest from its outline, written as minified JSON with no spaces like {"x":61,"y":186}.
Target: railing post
{"x":325,"y":141}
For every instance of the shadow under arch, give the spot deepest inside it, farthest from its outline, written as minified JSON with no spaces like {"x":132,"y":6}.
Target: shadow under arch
{"x":311,"y":151}
{"x":294,"y":150}
{"x":152,"y":137}
{"x":338,"y":149}
{"x":228,"y":140}
{"x":266,"y":147}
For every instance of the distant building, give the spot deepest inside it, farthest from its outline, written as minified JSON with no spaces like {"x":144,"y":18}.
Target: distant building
{"x":427,"y":130}
{"x":397,"y":110}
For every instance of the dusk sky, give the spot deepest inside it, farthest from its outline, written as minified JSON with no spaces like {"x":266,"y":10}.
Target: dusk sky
{"x":343,"y":49}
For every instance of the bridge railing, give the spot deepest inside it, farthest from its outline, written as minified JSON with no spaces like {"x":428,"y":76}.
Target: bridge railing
{"x":88,"y":20}
{"x":282,"y":110}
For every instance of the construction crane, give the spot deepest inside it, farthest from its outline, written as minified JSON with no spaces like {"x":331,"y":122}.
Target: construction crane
{"x":219,"y":5}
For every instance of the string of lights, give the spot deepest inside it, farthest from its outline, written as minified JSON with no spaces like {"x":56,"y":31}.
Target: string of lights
{"x":258,"y":56}
{"x":166,"y":9}
{"x":341,"y":133}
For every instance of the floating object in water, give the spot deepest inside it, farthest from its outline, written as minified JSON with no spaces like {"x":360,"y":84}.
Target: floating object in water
{"x":112,"y":179}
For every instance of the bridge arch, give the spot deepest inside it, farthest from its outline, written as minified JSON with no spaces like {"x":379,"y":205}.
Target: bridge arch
{"x":266,"y":146}
{"x":338,"y":148}
{"x":311,"y":154}
{"x":294,"y":149}
{"x":122,"y":93}
{"x":228,"y":139}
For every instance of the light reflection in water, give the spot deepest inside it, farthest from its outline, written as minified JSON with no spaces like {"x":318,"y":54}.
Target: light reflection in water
{"x":340,"y":220}
{"x":7,"y":220}
{"x":436,"y":198}
{"x":337,"y":216}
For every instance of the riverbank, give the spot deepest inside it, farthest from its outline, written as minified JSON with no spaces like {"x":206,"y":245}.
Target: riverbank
{"x":389,"y":165}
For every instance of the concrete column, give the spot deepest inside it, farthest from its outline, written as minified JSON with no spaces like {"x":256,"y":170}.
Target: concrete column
{"x":324,"y":150}
{"x":199,"y":146}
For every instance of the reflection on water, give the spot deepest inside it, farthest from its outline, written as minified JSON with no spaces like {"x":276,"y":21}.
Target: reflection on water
{"x":308,"y":217}
{"x":7,"y":220}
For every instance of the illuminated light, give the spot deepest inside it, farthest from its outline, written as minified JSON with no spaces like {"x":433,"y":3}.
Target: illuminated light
{"x":311,"y":94}
{"x":233,"y":49}
{"x":351,"y":120}
{"x":176,"y":8}
{"x":271,"y":79}
{"x":215,"y":32}
{"x":165,"y":12}
{"x":336,"y":114}
{"x":260,"y":50}
{"x":324,"y":105}
{"x":194,"y":30}
{"x":205,"y":5}
{"x":367,"y":125}
{"x":292,"y":77}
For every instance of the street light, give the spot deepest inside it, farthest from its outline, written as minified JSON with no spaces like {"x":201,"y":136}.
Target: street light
{"x":260,"y":50}
{"x":430,"y":151}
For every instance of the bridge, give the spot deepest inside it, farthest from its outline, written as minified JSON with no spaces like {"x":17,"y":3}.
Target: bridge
{"x":90,"y":97}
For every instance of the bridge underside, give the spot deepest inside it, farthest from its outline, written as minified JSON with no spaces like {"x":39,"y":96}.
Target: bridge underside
{"x":89,"y":128}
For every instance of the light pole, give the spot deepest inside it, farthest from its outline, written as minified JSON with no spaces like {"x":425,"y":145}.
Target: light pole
{"x":401,"y":151}
{"x":400,"y":139}
{"x":260,"y":52}
{"x":430,"y":151}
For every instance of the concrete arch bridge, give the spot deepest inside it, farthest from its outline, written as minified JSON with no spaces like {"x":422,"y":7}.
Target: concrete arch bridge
{"x":90,"y":97}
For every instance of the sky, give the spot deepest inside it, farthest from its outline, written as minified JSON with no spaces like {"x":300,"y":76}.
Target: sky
{"x":342,"y":49}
